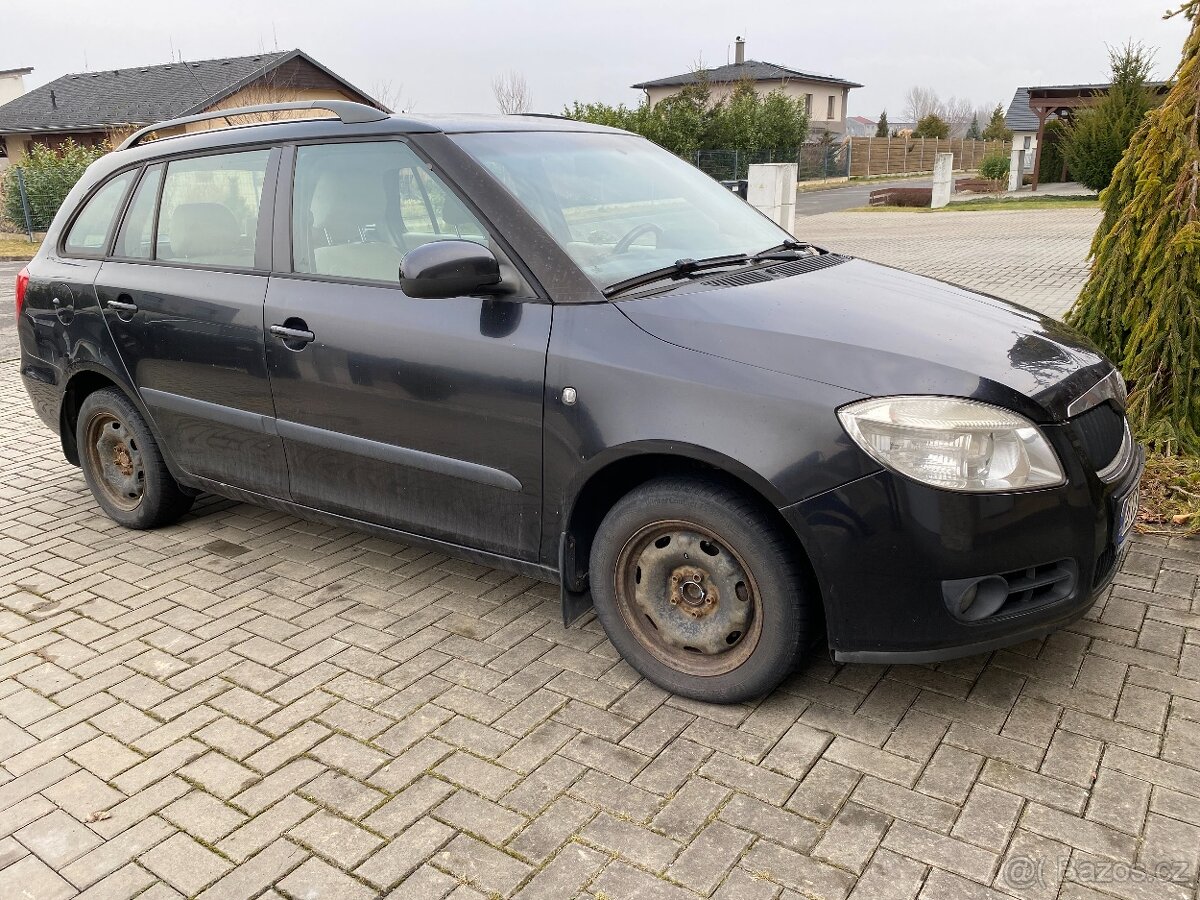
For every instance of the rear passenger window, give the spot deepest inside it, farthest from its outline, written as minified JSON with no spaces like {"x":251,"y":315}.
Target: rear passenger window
{"x":209,"y":210}
{"x":90,"y":230}
{"x":359,"y":207}
{"x":136,"y":240}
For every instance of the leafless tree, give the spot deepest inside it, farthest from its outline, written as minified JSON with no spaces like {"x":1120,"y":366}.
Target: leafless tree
{"x":511,"y":92}
{"x":392,"y":96}
{"x":920,"y":102}
{"x":959,"y":111}
{"x":271,"y":89}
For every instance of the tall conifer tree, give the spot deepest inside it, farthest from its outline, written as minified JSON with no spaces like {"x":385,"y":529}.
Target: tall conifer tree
{"x":1141,"y":304}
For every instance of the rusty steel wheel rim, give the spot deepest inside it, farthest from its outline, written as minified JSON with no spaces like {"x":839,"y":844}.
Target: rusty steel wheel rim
{"x":115,"y":460}
{"x":688,"y":597}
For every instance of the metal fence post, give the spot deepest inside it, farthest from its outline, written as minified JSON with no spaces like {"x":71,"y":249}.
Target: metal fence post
{"x":25,"y":203}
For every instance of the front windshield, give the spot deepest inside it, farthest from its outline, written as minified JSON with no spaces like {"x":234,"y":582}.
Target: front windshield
{"x":618,"y":204}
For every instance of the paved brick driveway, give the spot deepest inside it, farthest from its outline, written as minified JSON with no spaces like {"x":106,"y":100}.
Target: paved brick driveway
{"x":248,"y":705}
{"x":1037,"y":258}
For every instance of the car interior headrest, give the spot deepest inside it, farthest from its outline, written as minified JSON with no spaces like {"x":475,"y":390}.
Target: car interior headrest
{"x":203,"y":230}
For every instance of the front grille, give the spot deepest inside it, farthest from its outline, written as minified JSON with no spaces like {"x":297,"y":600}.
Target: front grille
{"x":1101,"y":431}
{"x":772,"y":273}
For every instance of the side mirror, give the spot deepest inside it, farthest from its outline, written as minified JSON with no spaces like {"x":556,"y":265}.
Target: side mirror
{"x":450,"y":268}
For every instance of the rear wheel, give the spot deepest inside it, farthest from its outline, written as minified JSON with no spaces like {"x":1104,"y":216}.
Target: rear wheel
{"x":123,"y":465}
{"x":699,"y":591}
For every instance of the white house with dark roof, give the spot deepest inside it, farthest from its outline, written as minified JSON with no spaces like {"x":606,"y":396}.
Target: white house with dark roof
{"x":90,"y":107}
{"x":824,"y":95}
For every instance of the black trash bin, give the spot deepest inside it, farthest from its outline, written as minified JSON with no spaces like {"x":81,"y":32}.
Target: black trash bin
{"x":739,"y":186}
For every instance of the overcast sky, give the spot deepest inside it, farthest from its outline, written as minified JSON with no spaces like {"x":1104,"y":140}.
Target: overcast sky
{"x":441,"y":55}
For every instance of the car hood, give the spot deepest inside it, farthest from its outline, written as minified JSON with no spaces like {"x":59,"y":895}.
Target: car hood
{"x":880,"y":331}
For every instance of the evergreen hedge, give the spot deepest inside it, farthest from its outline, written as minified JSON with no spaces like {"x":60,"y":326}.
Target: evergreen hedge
{"x":690,"y":121}
{"x":49,"y":176}
{"x":1099,"y":134}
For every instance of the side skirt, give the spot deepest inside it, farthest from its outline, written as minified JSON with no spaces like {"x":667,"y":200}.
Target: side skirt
{"x":480,"y":557}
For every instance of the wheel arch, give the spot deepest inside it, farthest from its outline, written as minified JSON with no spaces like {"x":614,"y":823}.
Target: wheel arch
{"x":617,"y":473}
{"x":82,"y":383}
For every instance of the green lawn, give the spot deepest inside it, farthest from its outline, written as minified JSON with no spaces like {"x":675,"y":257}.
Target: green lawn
{"x":14,"y":245}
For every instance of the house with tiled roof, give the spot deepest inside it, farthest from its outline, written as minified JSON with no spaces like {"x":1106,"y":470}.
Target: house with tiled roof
{"x":825,"y":96}
{"x":1033,"y":107}
{"x":93,"y":107}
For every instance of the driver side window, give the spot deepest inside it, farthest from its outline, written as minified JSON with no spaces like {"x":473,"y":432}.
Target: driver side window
{"x":357,"y":208}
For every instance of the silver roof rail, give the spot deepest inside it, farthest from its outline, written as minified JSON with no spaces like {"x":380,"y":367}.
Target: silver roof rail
{"x":347,"y":111}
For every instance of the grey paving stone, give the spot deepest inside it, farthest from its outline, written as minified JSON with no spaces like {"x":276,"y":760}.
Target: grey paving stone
{"x":32,"y":879}
{"x":185,"y":864}
{"x":315,"y":878}
{"x":58,"y":839}
{"x":336,"y":839}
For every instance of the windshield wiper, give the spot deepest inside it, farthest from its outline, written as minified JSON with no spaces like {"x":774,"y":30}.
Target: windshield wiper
{"x":786,"y":250}
{"x":681,"y":268}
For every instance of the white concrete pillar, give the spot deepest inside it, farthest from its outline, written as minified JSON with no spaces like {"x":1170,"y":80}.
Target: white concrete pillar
{"x":771,"y":189}
{"x":1016,"y":169}
{"x":943,"y":179}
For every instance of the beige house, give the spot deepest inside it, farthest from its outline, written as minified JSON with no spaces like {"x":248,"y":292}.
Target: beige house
{"x":12,"y":84}
{"x":825,"y":96}
{"x":91,"y":108}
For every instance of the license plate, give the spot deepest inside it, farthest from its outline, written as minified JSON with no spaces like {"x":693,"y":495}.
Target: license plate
{"x":1127,"y":510}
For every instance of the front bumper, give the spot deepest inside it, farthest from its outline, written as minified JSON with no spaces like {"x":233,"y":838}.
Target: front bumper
{"x":884,"y":549}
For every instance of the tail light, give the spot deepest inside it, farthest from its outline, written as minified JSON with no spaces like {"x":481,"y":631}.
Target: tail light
{"x":22,"y":284}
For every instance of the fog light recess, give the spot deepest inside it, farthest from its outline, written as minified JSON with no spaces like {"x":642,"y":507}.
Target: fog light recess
{"x":972,"y":599}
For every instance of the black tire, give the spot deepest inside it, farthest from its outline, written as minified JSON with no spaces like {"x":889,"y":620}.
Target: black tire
{"x":123,"y":465}
{"x":651,"y":595}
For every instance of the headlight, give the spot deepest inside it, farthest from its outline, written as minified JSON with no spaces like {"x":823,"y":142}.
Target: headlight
{"x":960,"y":445}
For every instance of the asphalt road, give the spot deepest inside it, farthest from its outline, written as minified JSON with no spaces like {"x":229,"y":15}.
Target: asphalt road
{"x":8,"y":297}
{"x":813,"y":203}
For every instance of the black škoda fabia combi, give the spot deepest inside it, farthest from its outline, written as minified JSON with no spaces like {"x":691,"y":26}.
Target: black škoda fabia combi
{"x":557,"y":348}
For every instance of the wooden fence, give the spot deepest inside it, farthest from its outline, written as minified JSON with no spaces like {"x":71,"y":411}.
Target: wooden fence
{"x":902,"y":156}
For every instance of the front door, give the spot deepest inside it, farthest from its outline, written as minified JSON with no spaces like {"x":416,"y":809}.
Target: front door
{"x":183,"y":299}
{"x":422,"y":415}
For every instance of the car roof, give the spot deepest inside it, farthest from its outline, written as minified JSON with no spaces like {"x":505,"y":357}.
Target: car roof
{"x":301,"y":129}
{"x":458,"y":123}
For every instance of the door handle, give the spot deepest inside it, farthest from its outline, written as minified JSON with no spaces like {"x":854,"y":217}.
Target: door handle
{"x":123,"y":308}
{"x":293,"y":338}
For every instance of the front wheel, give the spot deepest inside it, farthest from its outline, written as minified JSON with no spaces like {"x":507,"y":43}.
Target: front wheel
{"x":699,"y":591}
{"x":123,"y":465}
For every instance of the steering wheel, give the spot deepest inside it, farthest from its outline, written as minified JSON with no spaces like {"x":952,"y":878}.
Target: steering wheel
{"x":636,"y":232}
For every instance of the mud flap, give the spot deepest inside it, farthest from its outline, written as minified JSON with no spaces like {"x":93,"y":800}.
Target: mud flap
{"x":575,"y":595}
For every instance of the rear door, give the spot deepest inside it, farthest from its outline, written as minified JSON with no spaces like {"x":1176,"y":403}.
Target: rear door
{"x":183,"y":299}
{"x":422,"y":415}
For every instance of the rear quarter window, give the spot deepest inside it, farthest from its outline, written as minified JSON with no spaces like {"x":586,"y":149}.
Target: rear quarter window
{"x":89,"y":233}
